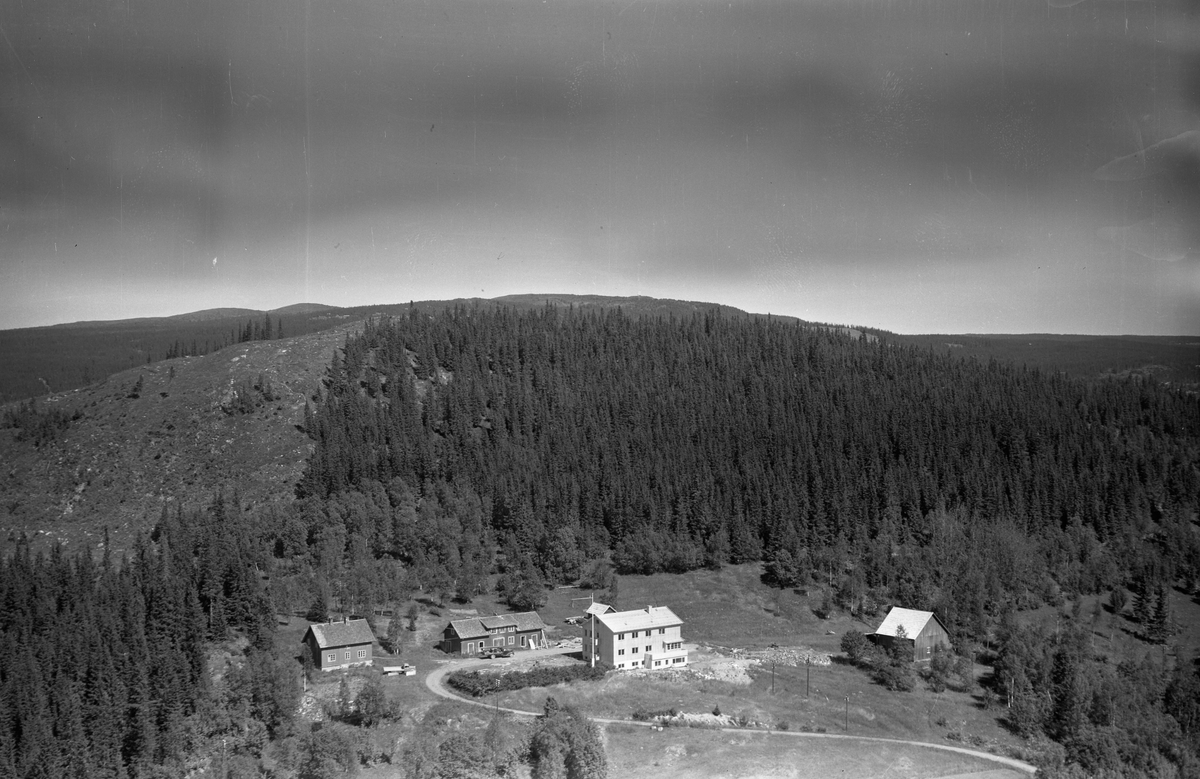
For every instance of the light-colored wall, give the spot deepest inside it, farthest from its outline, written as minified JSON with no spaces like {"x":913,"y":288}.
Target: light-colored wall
{"x":609,"y":645}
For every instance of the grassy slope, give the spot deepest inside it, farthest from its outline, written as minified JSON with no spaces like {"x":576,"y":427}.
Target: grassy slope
{"x":732,"y":608}
{"x":701,"y":754}
{"x":128,"y":457}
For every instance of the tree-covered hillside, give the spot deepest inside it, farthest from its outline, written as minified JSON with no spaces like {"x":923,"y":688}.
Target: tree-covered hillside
{"x":888,"y":472}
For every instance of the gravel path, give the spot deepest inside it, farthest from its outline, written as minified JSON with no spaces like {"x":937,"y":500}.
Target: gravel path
{"x":434,"y":682}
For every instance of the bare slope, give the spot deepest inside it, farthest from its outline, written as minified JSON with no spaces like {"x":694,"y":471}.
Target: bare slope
{"x":194,"y":426}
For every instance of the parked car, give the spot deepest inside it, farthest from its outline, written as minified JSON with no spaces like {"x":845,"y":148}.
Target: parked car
{"x":495,"y":651}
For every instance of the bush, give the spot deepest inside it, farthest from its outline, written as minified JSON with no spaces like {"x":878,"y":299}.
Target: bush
{"x":478,"y":684}
{"x":856,"y":646}
{"x":645,"y":715}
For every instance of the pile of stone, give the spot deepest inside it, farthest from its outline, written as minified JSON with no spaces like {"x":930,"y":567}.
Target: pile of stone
{"x":796,"y":656}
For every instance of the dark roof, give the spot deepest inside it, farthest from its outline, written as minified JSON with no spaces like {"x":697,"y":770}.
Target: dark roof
{"x":355,"y":631}
{"x":477,"y":627}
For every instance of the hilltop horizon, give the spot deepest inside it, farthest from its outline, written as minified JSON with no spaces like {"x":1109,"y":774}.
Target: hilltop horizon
{"x":309,"y":307}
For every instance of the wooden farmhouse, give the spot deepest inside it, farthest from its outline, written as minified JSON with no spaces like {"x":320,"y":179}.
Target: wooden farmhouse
{"x":524,"y":630}
{"x":336,"y":645}
{"x":921,"y":630}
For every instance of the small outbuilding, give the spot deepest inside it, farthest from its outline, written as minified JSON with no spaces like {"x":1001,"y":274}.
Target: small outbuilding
{"x":921,"y":630}
{"x":342,"y":644}
{"x":524,"y":630}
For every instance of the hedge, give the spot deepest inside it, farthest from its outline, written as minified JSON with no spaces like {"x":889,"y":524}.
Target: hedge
{"x":477,"y":684}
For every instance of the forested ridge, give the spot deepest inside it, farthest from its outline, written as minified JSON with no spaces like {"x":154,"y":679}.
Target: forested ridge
{"x":891,"y":473}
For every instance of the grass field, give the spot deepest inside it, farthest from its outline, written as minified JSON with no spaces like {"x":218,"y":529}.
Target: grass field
{"x":701,"y":754}
{"x":731,"y":608}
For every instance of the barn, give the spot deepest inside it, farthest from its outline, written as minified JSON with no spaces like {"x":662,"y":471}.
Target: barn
{"x":340,"y":644}
{"x":921,"y":630}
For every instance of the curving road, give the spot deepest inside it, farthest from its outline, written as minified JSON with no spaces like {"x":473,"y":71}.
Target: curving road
{"x":434,"y":682}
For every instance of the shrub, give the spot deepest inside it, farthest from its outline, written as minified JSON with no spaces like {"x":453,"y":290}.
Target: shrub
{"x":645,"y":715}
{"x":856,"y":646}
{"x":478,"y":684}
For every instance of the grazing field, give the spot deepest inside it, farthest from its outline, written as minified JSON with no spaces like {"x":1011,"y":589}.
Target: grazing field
{"x":731,"y":609}
{"x":702,"y":754}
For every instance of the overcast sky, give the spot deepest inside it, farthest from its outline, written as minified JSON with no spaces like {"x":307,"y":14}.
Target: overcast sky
{"x":919,"y":166}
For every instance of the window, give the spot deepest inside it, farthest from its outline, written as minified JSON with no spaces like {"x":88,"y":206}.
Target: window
{"x":649,"y":648}
{"x":622,"y":665}
{"x":620,"y":651}
{"x":333,"y":657}
{"x":512,"y":640}
{"x":620,"y":636}
{"x":634,"y":634}
{"x":678,"y":660}
{"x":362,"y":653}
{"x":347,"y":654}
{"x":522,"y":640}
{"x":657,"y":663}
{"x":675,"y":645}
{"x":662,"y":631}
{"x":480,"y":646}
{"x":633,"y":651}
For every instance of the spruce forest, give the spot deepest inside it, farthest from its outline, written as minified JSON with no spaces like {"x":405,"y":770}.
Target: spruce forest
{"x":890,"y":474}
{"x":553,"y":446}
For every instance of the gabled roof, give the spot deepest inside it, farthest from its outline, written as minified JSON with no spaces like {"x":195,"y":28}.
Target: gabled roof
{"x":649,"y":617}
{"x":478,"y":627}
{"x":355,"y":631}
{"x":912,"y":620}
{"x":599,"y":608}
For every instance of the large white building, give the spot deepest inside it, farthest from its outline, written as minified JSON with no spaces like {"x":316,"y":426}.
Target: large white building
{"x":642,"y":638}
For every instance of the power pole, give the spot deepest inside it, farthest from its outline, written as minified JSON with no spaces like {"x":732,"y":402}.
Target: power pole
{"x":846,"y":726}
{"x":807,"y":675}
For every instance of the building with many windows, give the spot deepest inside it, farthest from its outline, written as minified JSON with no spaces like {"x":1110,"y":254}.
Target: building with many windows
{"x":647,"y":638}
{"x":341,"y":644}
{"x":524,"y":630}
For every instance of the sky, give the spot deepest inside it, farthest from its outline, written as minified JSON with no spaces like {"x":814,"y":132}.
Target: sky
{"x":921,"y":166}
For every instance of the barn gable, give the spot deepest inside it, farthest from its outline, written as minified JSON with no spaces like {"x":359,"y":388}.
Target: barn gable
{"x":922,"y":629}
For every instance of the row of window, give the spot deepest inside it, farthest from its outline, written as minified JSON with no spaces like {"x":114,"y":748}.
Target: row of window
{"x":499,"y":641}
{"x":633,"y":650}
{"x":508,"y":629}
{"x":648,"y":633}
{"x":657,"y":663}
{"x":332,"y":656}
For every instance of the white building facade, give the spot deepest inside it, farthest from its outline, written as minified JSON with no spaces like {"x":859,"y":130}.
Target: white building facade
{"x":649,"y":638}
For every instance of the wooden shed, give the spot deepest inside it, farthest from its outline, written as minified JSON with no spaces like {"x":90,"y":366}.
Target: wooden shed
{"x":921,"y":630}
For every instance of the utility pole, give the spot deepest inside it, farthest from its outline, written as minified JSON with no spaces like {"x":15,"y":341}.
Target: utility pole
{"x":846,"y":726}
{"x":807,"y":675}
